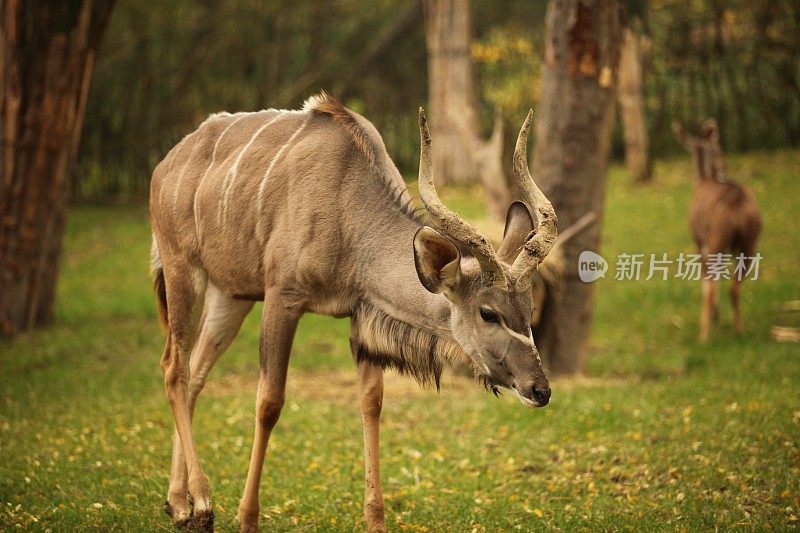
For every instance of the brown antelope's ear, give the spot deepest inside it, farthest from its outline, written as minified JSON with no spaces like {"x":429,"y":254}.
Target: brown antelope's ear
{"x":437,"y":260}
{"x":680,"y":133}
{"x":710,"y":130}
{"x":519,"y":224}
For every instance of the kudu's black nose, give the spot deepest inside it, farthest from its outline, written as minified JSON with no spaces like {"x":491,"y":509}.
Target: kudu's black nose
{"x":541,"y":395}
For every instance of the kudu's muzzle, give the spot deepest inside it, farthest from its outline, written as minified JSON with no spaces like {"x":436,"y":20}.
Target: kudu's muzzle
{"x":528,"y":380}
{"x":537,"y":393}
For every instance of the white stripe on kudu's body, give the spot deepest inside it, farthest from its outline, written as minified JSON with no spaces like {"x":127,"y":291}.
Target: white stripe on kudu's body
{"x":275,"y":160}
{"x":332,"y":231}
{"x":231,"y":176}
{"x":211,"y":164}
{"x":177,"y":187}
{"x":171,"y":166}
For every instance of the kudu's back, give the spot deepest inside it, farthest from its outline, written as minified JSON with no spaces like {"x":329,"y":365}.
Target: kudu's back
{"x":274,"y":195}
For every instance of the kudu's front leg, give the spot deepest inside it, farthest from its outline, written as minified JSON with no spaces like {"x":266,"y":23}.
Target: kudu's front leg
{"x":278,"y":325}
{"x":371,"y":384}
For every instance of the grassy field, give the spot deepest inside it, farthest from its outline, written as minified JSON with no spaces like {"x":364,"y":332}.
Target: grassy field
{"x":662,"y":434}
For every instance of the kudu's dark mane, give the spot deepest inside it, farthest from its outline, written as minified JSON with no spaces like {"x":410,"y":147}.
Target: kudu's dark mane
{"x":333,"y":107}
{"x":363,"y":142}
{"x":408,"y":349}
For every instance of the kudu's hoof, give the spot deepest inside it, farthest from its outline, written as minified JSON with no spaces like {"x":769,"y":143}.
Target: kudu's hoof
{"x":250,"y":527}
{"x":177,"y":521}
{"x":201,"y":522}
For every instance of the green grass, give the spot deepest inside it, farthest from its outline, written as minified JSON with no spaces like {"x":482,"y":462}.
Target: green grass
{"x":663,"y":434}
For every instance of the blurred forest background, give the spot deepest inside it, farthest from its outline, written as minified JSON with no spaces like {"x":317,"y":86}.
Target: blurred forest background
{"x":164,"y":67}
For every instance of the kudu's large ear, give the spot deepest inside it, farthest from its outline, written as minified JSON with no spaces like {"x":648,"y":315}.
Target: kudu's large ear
{"x":519,"y":224}
{"x":437,"y":260}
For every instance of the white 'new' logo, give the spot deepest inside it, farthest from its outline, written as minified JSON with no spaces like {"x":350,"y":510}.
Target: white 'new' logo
{"x":591,"y":266}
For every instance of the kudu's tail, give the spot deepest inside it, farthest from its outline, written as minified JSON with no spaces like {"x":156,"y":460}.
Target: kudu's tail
{"x":159,"y":285}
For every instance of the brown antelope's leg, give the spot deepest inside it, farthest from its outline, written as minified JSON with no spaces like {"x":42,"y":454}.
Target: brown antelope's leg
{"x":181,"y":298}
{"x":715,"y":308}
{"x":221,"y":320}
{"x":371,"y":384}
{"x":709,"y":297}
{"x":278,"y":325}
{"x":715,"y":304}
{"x":736,"y":285}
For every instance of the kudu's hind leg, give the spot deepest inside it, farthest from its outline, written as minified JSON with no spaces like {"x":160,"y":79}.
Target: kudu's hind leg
{"x":371,"y":385}
{"x":278,"y":325}
{"x":183,"y":293}
{"x":222,"y":317}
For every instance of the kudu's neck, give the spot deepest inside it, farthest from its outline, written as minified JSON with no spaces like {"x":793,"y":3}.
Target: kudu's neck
{"x":397,"y":322}
{"x":390,"y":279}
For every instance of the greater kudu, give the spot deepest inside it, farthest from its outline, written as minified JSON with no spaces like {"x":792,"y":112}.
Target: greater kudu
{"x":306,"y":211}
{"x":723,"y":215}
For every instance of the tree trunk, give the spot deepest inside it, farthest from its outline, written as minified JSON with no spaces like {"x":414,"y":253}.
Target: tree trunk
{"x":630,"y":94}
{"x":47,"y":52}
{"x":462,"y":155}
{"x":487,"y":159}
{"x":573,"y":139}
{"x":450,"y":87}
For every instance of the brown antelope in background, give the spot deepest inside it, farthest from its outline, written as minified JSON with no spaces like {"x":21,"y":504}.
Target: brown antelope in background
{"x":723,"y":215}
{"x":306,"y":211}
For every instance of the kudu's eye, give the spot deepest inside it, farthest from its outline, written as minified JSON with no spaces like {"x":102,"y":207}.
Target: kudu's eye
{"x":489,"y":315}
